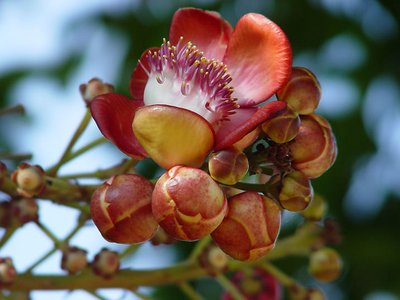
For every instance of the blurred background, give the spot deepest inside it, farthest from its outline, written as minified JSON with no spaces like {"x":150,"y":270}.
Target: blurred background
{"x":48,"y":48}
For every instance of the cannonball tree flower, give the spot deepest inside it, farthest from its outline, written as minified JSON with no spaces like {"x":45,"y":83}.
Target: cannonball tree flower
{"x":198,"y":91}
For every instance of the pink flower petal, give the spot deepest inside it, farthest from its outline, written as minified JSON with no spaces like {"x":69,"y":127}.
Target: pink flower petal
{"x":139,"y":76}
{"x":259,"y":59}
{"x":244,"y":121}
{"x":207,"y":30}
{"x":114,"y":114}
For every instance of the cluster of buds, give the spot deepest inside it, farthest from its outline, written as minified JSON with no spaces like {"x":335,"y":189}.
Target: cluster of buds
{"x":190,"y":203}
{"x":256,"y":284}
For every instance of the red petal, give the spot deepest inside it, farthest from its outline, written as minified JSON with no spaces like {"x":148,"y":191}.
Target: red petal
{"x":259,"y":59}
{"x":139,"y":76}
{"x":114,"y":114}
{"x":244,"y":121}
{"x":205,"y":29}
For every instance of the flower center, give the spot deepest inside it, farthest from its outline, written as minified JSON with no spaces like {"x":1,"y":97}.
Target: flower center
{"x":181,"y":76}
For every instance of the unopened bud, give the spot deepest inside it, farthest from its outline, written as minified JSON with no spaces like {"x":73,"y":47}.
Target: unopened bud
{"x":314,"y":149}
{"x":316,"y":210}
{"x":300,"y":293}
{"x":213,"y":259}
{"x":250,"y":229}
{"x":121,"y":209}
{"x":256,"y":284}
{"x":228,"y":166}
{"x":283,"y":128}
{"x":7,"y":271}
{"x":23,"y":211}
{"x":188,"y":203}
{"x":106,"y":263}
{"x":161,"y":237}
{"x":93,"y":88}
{"x":296,"y":192}
{"x":74,"y":260}
{"x":30,"y":180}
{"x":302,"y":91}
{"x":325,"y":264}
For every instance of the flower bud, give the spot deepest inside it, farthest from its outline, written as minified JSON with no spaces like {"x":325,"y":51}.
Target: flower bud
{"x":250,"y":229}
{"x":256,"y":284}
{"x":161,"y":237}
{"x":121,"y":209}
{"x":314,"y":149}
{"x":302,"y":91}
{"x":213,"y":260}
{"x":283,"y":128}
{"x":106,"y":263}
{"x":74,"y":260}
{"x":316,"y":210}
{"x":23,"y":211}
{"x":300,"y":293}
{"x":30,"y":180}
{"x":296,"y":192}
{"x":7,"y":271}
{"x":228,"y":166}
{"x":93,"y":88}
{"x":188,"y":203}
{"x":325,"y":264}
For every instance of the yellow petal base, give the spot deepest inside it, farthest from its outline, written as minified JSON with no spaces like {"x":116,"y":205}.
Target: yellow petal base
{"x":173,"y":136}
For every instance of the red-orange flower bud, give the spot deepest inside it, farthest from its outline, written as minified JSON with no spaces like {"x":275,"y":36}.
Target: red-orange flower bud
{"x":7,"y":271}
{"x":188,"y":203}
{"x":228,"y":166}
{"x":30,"y":180}
{"x":296,"y":192}
{"x":325,"y":264}
{"x":74,"y":260}
{"x":106,"y":263}
{"x":302,"y":91}
{"x":314,"y":149}
{"x":121,"y":209}
{"x":283,"y":128}
{"x":250,"y":229}
{"x":93,"y":88}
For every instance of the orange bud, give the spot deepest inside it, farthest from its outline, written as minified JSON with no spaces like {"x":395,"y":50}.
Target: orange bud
{"x":228,"y":166}
{"x":188,"y":203}
{"x":121,"y":209}
{"x":30,"y":180}
{"x":73,"y":260}
{"x":302,"y":92}
{"x":93,"y":88}
{"x":296,"y":192}
{"x":106,"y":263}
{"x":314,"y":149}
{"x":325,"y":264}
{"x":283,"y":128}
{"x":250,"y":229}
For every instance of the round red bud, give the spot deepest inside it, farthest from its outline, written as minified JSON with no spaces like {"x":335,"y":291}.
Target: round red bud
{"x":74,"y":260}
{"x":121,"y":209}
{"x":314,"y":149}
{"x":7,"y":270}
{"x":325,"y":264}
{"x":250,"y":229}
{"x":93,"y":88}
{"x":228,"y":166}
{"x":188,"y":203}
{"x":106,"y":263}
{"x":256,"y":284}
{"x":283,"y":128}
{"x":296,"y":192}
{"x":302,"y":91}
{"x":23,"y":211}
{"x":30,"y":180}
